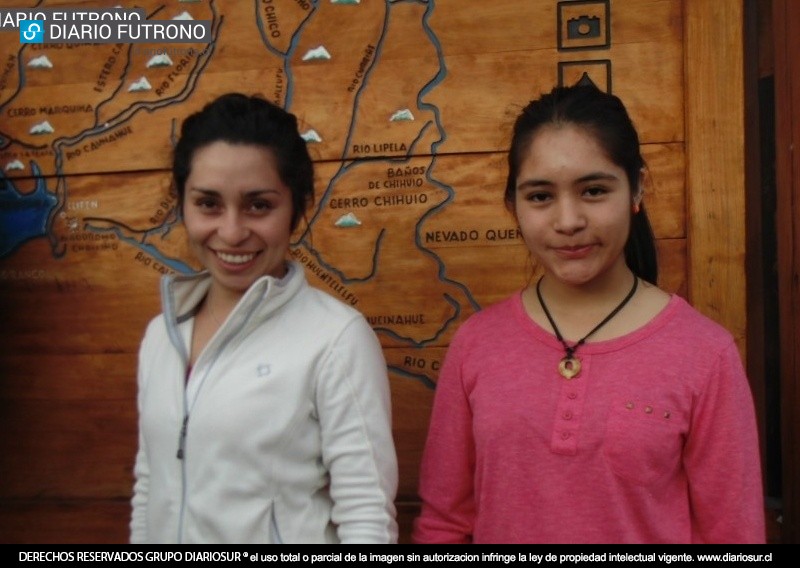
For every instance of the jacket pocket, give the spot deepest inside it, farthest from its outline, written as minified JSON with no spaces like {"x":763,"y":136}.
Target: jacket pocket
{"x":643,"y":441}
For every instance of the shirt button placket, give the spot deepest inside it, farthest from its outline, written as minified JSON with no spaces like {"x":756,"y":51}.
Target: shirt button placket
{"x":567,"y":423}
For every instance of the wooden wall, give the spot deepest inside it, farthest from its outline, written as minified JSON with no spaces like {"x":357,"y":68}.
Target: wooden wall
{"x":71,"y":324}
{"x":786,"y":22}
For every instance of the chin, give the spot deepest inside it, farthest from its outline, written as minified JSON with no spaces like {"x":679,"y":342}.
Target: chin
{"x":576,"y":277}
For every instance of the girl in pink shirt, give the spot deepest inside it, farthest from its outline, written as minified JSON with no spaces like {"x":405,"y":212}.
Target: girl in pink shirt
{"x":591,"y":407}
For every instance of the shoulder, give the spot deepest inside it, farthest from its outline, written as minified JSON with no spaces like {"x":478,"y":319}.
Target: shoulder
{"x":326,"y":320}
{"x":324,"y":305}
{"x":691,"y":345}
{"x":156,"y":330}
{"x":690,"y":326}
{"x":496,"y":317}
{"x":319,"y":308}
{"x":487,"y":330}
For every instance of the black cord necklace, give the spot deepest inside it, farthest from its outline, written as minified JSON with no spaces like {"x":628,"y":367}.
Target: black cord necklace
{"x":570,"y":365}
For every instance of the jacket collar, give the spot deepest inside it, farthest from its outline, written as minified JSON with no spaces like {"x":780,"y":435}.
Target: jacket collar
{"x":181,"y":295}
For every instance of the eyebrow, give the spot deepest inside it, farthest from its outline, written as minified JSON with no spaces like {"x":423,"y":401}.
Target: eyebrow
{"x":594,"y":176}
{"x":251,"y":193}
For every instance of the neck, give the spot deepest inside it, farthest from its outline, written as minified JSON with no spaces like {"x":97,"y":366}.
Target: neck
{"x":561,"y":333}
{"x":221,"y":302}
{"x":584,"y":298}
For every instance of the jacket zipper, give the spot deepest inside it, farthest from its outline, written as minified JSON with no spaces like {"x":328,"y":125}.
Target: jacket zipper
{"x":177,"y":341}
{"x":182,"y":438}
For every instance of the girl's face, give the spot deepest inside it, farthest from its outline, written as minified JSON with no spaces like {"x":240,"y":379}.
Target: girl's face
{"x":573,"y":206}
{"x":237,"y":214}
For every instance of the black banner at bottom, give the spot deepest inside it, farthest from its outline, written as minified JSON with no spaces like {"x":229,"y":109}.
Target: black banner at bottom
{"x":500,"y":556}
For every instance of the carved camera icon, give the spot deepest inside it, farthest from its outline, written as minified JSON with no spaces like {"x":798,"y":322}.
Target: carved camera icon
{"x":583,"y":27}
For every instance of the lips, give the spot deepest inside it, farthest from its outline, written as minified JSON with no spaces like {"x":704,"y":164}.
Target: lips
{"x":232,"y":258}
{"x":574,"y":251}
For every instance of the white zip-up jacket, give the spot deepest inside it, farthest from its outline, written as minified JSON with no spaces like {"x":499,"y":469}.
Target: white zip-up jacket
{"x":282,"y":432}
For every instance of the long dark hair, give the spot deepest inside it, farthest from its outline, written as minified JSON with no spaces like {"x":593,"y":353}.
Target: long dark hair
{"x":605,"y":117}
{"x":239,"y":119}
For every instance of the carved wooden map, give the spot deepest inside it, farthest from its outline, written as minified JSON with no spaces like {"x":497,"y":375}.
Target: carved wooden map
{"x":406,"y":107}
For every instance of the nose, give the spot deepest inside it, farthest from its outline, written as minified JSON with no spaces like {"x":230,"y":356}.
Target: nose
{"x":232,"y":228}
{"x":569,"y":216}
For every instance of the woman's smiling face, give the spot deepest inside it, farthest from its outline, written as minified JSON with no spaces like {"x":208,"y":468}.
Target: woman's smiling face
{"x":238,"y":213}
{"x":573,"y":205}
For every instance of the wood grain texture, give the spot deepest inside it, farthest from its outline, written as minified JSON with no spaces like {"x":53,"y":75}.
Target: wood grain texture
{"x":75,"y":521}
{"x":786,"y":21}
{"x":715,"y":161}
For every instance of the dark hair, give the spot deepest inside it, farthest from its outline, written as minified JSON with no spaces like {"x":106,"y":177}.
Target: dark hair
{"x":239,"y":119}
{"x":605,"y":117}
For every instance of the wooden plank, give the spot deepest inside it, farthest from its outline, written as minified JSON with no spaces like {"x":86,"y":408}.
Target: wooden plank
{"x":672,"y":266}
{"x":715,"y":161}
{"x":46,"y":521}
{"x":786,"y":19}
{"x":761,"y":330}
{"x":412,"y":400}
{"x":48,"y":376}
{"x":67,"y":448}
{"x":467,"y":90}
{"x":84,"y":319}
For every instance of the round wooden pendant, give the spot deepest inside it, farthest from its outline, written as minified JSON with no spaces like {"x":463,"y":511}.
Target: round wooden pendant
{"x":569,"y":367}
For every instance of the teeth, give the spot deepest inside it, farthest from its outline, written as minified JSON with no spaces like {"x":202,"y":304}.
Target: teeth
{"x":236,"y":258}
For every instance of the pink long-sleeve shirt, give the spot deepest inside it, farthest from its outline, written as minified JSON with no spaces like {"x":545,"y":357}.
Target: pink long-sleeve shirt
{"x":654,"y":442}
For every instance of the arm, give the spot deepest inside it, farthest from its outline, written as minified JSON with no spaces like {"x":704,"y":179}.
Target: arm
{"x":138,"y":525}
{"x":448,"y":463}
{"x":141,"y":470}
{"x":722,"y":459}
{"x":354,"y":408}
